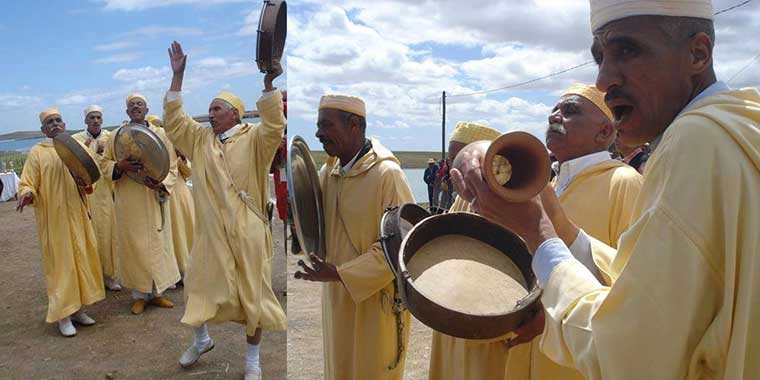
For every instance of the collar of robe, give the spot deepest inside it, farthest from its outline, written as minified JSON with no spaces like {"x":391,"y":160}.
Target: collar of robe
{"x":359,"y":160}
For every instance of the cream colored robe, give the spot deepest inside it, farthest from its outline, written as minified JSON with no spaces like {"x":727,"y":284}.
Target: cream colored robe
{"x":229,"y":272}
{"x":454,"y":358}
{"x":684,"y":298}
{"x":145,"y":255}
{"x":183,"y":216}
{"x":359,"y":327}
{"x":101,"y":207}
{"x":600,"y":200}
{"x":69,"y":247}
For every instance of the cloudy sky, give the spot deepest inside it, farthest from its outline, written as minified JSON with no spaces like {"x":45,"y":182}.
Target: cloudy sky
{"x":70,"y":54}
{"x":400,"y":55}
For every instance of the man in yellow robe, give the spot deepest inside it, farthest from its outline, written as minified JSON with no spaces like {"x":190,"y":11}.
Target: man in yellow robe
{"x":684,"y":279}
{"x":597,"y":193}
{"x":454,"y":358}
{"x":143,"y":247}
{"x":229,"y":274}
{"x":360,"y":180}
{"x":69,"y":247}
{"x":101,"y":200}
{"x":181,"y":206}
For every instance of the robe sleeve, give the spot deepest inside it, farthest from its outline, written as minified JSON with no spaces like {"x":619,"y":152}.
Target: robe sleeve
{"x":184,"y":169}
{"x":369,"y":273}
{"x":625,"y":188}
{"x":269,"y":131}
{"x":30,"y":176}
{"x":180,"y":128}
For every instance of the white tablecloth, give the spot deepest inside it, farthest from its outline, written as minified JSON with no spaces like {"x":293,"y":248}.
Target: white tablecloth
{"x":10,"y":186}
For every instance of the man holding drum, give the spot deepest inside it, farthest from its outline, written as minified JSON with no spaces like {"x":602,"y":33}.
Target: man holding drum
{"x":229,"y":273}
{"x":101,"y":200}
{"x":580,"y":132}
{"x":684,"y":279}
{"x":454,"y":358}
{"x":142,"y":245}
{"x":69,"y":247}
{"x":360,"y":180}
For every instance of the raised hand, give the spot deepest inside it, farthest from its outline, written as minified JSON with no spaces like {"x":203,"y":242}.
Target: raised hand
{"x":270,"y":76}
{"x":177,"y":58}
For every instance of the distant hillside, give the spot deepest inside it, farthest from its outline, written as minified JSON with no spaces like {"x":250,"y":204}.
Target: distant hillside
{"x":24,"y":135}
{"x":21,"y":135}
{"x":409,"y":160}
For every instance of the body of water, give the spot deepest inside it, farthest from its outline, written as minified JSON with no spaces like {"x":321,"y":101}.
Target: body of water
{"x":419,"y":187}
{"x":19,"y":145}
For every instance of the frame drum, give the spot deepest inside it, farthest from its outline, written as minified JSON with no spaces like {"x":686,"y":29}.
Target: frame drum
{"x":76,"y":159}
{"x":270,"y":37}
{"x":483,"y":285}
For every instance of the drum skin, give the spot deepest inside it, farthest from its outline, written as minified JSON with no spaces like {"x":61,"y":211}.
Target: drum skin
{"x":141,"y":143}
{"x":451,"y":322}
{"x":76,"y":159}
{"x":390,"y":231}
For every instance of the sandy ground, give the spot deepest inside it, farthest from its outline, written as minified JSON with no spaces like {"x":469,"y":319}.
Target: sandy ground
{"x":305,"y":354}
{"x":120,"y":345}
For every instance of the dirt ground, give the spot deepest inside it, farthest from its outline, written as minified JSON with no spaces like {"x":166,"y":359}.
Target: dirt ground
{"x":120,"y":345}
{"x":305,"y":354}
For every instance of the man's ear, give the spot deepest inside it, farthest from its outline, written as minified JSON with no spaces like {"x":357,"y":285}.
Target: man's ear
{"x":606,"y":133}
{"x":700,"y":53}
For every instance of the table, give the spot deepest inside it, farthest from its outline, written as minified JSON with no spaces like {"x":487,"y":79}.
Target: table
{"x":10,"y":186}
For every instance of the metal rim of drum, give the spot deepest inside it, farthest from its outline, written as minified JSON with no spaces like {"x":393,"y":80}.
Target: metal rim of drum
{"x":160,"y":146}
{"x":455,"y":323}
{"x":298,"y":146}
{"x":71,"y":146}
{"x":390,"y":230}
{"x":271,"y":33}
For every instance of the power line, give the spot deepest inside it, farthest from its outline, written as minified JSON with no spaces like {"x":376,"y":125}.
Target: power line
{"x":588,"y":63}
{"x":744,"y":68}
{"x":526,"y":82}
{"x":734,"y":7}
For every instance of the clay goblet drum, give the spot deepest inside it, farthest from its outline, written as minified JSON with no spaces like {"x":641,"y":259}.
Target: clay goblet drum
{"x":516,"y":165}
{"x":466,"y":277}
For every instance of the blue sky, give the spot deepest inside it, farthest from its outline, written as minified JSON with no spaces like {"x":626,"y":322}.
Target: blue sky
{"x":70,"y":54}
{"x":400,"y":55}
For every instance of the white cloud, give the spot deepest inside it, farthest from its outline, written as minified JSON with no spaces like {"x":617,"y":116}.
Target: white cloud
{"x":400,"y":55}
{"x":138,"y":5}
{"x":119,"y":58}
{"x":11,"y":101}
{"x":152,"y":31}
{"x":115,"y":46}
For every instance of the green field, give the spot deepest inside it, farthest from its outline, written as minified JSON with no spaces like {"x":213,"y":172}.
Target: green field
{"x":409,"y":160}
{"x":12,"y":161}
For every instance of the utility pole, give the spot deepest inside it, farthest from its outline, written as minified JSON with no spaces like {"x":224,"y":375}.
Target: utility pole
{"x":443,"y":128}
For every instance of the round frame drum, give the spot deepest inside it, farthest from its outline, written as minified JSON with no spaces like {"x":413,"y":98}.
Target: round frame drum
{"x":305,"y":195}
{"x":139,"y":142}
{"x":394,"y":226}
{"x":457,"y":323}
{"x":271,"y":34}
{"x":76,"y":159}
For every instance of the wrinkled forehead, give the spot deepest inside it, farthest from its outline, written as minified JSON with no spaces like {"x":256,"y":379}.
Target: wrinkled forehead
{"x":52,"y":118}
{"x":136,"y":102}
{"x":330,"y":116}
{"x":94,"y":114}
{"x":220,"y":103}
{"x":571,"y":99}
{"x":641,"y":29}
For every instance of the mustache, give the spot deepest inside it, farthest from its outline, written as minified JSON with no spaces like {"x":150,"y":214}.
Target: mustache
{"x":557,"y":127}
{"x":616,"y":93}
